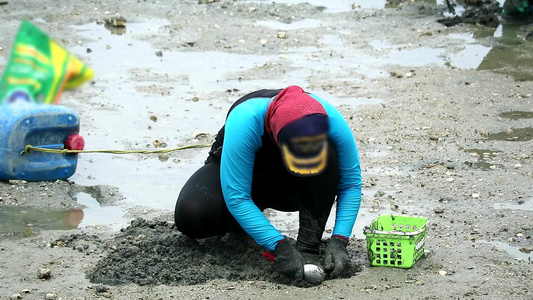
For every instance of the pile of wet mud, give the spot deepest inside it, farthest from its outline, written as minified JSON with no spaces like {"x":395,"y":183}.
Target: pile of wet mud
{"x":154,"y":252}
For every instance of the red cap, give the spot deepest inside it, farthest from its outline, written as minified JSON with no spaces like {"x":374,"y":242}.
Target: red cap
{"x":75,"y":142}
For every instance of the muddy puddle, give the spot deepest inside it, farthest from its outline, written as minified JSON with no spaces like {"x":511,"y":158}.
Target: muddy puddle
{"x":517,"y":115}
{"x":483,"y":159}
{"x":514,"y":134}
{"x":517,"y":253}
{"x":19,"y":221}
{"x":522,"y":205}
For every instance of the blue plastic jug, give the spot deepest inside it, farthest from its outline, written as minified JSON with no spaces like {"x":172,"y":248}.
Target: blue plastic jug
{"x":39,"y":125}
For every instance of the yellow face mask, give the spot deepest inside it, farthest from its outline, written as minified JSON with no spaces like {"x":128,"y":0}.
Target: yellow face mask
{"x":308,"y":165}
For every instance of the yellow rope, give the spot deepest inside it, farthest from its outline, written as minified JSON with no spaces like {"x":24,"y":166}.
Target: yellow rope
{"x":30,"y":148}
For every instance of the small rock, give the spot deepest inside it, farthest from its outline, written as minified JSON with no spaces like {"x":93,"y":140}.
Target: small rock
{"x":263,"y":41}
{"x":438,"y":210}
{"x":475,"y":195}
{"x":517,"y":166}
{"x":396,"y":74}
{"x":163,"y":157}
{"x":101,"y":288}
{"x":442,"y":273}
{"x":44,"y":274}
{"x":50,"y":296}
{"x":15,"y":297}
{"x":153,"y":118}
{"x":159,"y":53}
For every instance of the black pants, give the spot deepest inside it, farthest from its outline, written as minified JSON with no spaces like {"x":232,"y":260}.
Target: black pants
{"x":201,"y":210}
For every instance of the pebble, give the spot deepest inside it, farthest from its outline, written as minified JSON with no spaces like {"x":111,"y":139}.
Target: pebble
{"x":15,"y":297}
{"x":438,"y":210}
{"x":101,"y":288}
{"x":50,"y":296}
{"x":475,"y":195}
{"x":44,"y":274}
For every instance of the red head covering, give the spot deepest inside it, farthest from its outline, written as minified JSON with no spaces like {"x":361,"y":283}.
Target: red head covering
{"x":291,"y":104}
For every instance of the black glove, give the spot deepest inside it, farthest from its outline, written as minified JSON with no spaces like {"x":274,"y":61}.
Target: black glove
{"x":336,"y":256}
{"x":288,"y":261}
{"x":515,"y":7}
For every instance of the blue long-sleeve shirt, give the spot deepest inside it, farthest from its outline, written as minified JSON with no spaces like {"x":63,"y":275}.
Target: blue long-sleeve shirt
{"x":244,"y":129}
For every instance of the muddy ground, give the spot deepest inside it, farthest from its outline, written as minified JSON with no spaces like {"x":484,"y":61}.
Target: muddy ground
{"x":436,"y":139}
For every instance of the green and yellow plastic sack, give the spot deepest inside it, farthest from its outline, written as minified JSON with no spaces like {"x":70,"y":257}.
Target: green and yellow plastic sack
{"x":39,"y":69}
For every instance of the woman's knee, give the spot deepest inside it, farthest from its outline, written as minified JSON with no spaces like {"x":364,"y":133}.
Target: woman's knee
{"x":188,"y":221}
{"x":200,"y":206}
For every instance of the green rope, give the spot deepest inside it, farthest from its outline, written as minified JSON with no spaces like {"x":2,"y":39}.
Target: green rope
{"x":30,"y":148}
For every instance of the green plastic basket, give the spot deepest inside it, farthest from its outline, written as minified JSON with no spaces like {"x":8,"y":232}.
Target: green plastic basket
{"x":395,"y":241}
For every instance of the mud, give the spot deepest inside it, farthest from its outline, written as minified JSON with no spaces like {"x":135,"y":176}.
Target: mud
{"x":175,"y":259}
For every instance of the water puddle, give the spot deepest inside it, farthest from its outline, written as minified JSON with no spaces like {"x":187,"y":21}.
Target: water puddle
{"x":468,"y":55}
{"x":16,"y":221}
{"x":19,"y":221}
{"x":515,"y":135}
{"x":95,"y":214}
{"x":483,"y":158}
{"x":516,"y":252}
{"x":511,"y":53}
{"x":517,"y":115}
{"x":526,"y":205}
